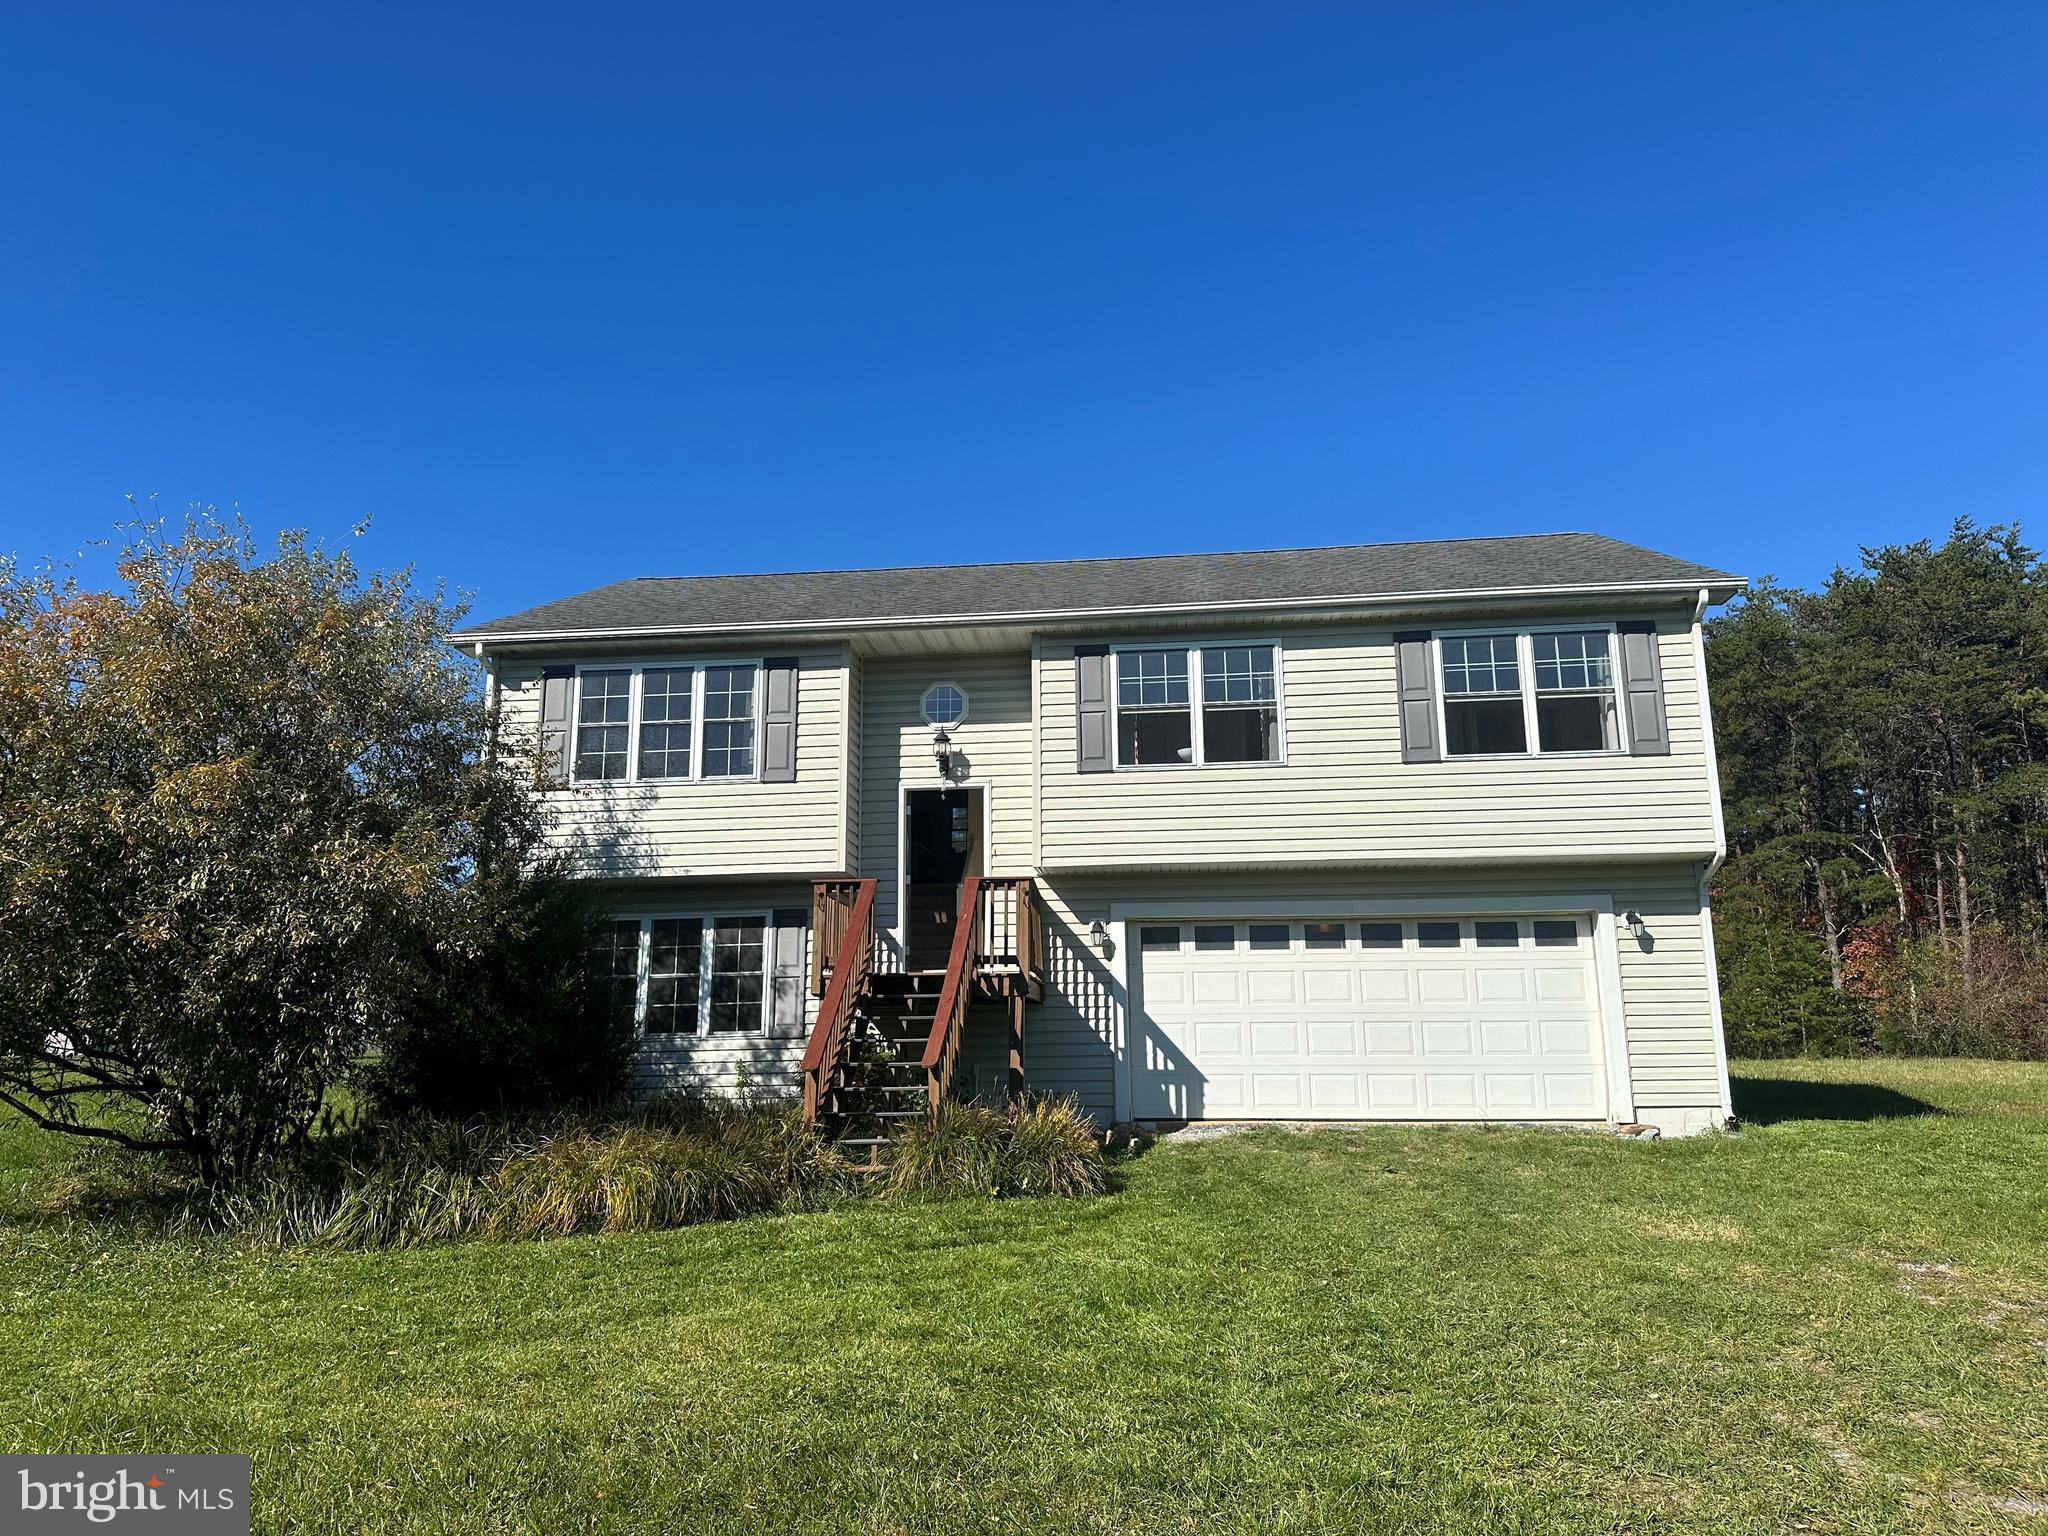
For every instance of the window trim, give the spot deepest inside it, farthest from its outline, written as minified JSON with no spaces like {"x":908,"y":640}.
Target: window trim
{"x":710,"y":920}
{"x":1525,"y":664}
{"x":1197,"y":756}
{"x":635,"y":690}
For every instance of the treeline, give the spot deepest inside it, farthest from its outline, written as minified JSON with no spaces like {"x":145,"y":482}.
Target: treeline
{"x":1884,"y":767}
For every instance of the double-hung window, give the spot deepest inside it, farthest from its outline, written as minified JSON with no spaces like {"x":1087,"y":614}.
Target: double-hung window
{"x":704,"y":975}
{"x":1550,"y":687}
{"x":667,"y":721}
{"x":1161,"y":724}
{"x":604,"y":713}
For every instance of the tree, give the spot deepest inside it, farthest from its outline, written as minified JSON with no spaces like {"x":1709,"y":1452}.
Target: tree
{"x":1884,"y":774}
{"x":246,"y":828}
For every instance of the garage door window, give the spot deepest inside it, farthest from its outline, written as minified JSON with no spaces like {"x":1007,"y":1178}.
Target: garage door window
{"x":1427,"y":933}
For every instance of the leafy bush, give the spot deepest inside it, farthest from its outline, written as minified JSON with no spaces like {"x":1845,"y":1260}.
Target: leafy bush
{"x":1931,"y":1007}
{"x":248,"y":820}
{"x":1046,"y":1147}
{"x":518,"y":1023}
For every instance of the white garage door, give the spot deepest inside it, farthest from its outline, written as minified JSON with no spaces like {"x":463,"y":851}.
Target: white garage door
{"x":1429,"y":1019}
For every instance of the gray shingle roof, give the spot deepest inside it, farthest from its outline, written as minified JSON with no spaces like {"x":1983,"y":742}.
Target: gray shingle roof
{"x":1449,"y":566}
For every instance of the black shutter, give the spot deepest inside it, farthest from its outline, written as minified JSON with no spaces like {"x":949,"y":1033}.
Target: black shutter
{"x":1091,"y":709}
{"x":1415,"y":688}
{"x":778,"y":719}
{"x":1642,"y":689}
{"x":557,"y":732}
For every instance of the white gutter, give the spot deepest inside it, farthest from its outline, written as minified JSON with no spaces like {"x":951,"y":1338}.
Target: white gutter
{"x":1085,"y":615}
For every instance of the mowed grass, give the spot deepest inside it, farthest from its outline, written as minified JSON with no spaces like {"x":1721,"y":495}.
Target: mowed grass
{"x":1829,"y":1322}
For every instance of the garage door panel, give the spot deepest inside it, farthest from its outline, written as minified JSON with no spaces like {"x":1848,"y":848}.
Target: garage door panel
{"x":1451,"y":1091}
{"x":1555,"y":985}
{"x":1334,"y":1037}
{"x":1566,"y":1037}
{"x":1434,"y":986}
{"x":1275,"y":1040}
{"x":1165,"y":988}
{"x":1277,"y":1092}
{"x":1571,"y":1091}
{"x":1327,"y":986}
{"x":1449,"y":1037}
{"x":1508,"y":1037}
{"x":1383,"y":986}
{"x":1272,"y":986}
{"x":1390,"y":1093}
{"x":1390,"y":1037}
{"x":1334,"y":1092}
{"x":1510,"y":1092}
{"x":1374,"y":1025}
{"x":1503,"y":987}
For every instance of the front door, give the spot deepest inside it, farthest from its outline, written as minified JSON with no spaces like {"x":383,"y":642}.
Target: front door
{"x":942,"y":847}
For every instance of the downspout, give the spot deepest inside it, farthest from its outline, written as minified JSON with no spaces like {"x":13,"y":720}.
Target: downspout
{"x":1699,"y":662}
{"x":1707,"y":871}
{"x":490,"y":665}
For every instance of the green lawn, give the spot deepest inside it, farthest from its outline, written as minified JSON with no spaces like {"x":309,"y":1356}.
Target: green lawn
{"x":1828,"y":1322}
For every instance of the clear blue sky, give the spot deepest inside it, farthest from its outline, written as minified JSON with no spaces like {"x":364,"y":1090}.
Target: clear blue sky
{"x":563,"y":294}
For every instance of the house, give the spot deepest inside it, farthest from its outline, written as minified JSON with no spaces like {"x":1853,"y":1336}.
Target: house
{"x":1414,"y":831}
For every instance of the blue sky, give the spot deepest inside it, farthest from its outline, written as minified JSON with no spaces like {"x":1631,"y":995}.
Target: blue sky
{"x":558,"y":295}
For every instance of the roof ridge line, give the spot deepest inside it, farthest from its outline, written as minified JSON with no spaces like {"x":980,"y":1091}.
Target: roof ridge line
{"x":1185,"y":554}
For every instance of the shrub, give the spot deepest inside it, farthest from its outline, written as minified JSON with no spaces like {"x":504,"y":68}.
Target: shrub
{"x":247,"y":815}
{"x":1931,"y":1007}
{"x":1046,"y":1147}
{"x":517,"y":1023}
{"x":407,"y":1183}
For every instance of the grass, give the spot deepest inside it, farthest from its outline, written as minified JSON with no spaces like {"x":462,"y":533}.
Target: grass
{"x":1828,"y":1322}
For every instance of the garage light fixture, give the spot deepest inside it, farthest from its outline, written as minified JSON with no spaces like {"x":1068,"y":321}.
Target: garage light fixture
{"x":1638,"y":929}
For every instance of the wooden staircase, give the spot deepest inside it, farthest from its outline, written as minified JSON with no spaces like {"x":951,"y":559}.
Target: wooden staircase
{"x":886,"y":1043}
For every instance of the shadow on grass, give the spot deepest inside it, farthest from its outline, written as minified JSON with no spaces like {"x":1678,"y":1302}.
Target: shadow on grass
{"x":1769,"y":1100}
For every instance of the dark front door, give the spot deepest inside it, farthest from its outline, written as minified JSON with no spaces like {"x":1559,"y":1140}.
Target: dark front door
{"x":942,"y":846}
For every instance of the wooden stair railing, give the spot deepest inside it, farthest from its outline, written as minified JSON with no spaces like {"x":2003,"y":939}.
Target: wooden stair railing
{"x":848,"y":930}
{"x":1012,"y":944}
{"x":950,"y":1022}
{"x":832,"y":903}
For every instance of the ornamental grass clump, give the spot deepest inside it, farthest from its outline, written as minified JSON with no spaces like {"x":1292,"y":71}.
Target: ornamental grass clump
{"x":1045,"y":1147}
{"x":409,"y":1183}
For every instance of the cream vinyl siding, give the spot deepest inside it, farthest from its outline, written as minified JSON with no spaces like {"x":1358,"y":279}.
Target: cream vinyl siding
{"x":1674,"y":1063}
{"x":851,"y":750}
{"x":751,"y":1067}
{"x":709,"y":827}
{"x":1344,"y":796}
